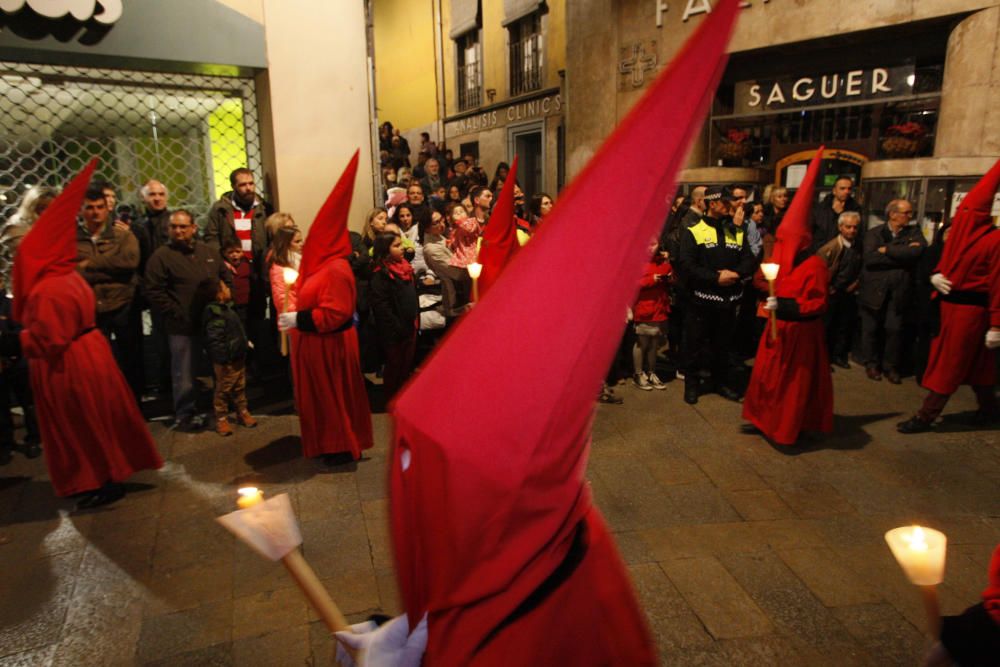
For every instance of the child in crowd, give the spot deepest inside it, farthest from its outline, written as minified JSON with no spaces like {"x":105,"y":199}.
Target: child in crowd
{"x":239,"y":267}
{"x":650,"y":315}
{"x":286,"y":253}
{"x":465,"y":234}
{"x":227,"y":347}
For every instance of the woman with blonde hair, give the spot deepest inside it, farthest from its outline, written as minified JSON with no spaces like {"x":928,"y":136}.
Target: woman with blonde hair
{"x":35,"y":201}
{"x":775,"y":206}
{"x":374,"y":225}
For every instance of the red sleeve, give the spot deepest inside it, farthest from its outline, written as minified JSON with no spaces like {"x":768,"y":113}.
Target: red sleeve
{"x":49,"y":324}
{"x":994,"y":281}
{"x":648,"y":275}
{"x":336,"y":299}
{"x":812,"y":298}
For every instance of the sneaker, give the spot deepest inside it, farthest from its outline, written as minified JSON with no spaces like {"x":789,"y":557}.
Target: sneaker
{"x":609,"y":397}
{"x":640,"y":381}
{"x":679,"y":374}
{"x":655,"y":381}
{"x":246,"y":419}
{"x":223,"y":427}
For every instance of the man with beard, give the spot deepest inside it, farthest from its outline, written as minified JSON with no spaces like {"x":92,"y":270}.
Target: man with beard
{"x":238,"y":217}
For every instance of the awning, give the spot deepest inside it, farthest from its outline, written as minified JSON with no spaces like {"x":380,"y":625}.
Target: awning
{"x":464,"y":17}
{"x":514,"y":10}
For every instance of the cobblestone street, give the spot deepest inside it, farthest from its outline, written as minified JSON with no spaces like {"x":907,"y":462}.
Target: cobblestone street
{"x":740,"y":555}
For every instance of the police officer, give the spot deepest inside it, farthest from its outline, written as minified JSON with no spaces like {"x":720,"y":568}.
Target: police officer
{"x":715,"y":259}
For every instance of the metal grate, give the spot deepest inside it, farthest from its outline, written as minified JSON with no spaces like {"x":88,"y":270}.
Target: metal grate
{"x":526,"y":55}
{"x":188,"y":131}
{"x":470,"y":88}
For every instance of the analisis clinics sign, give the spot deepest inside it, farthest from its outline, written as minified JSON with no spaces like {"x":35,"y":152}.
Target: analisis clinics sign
{"x":102,"y":11}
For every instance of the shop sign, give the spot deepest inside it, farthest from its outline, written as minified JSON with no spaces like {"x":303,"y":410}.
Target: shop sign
{"x":102,"y":11}
{"x":807,"y":91}
{"x":693,"y":8}
{"x":957,"y":198}
{"x":515,"y":113}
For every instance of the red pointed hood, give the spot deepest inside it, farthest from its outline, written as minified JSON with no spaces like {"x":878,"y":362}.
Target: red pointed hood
{"x":971,"y":222}
{"x":49,"y":248}
{"x":795,"y":231}
{"x":328,"y":237}
{"x":495,"y":429}
{"x":500,"y":238}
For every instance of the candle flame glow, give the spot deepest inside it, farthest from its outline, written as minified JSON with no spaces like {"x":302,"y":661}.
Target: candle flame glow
{"x":248,"y":491}
{"x":770,"y":270}
{"x":475,"y":268}
{"x":290,"y":275}
{"x":916,"y":539}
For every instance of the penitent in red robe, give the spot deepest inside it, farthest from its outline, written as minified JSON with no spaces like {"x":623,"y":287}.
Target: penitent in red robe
{"x":958,"y":354}
{"x":91,"y":427}
{"x":329,"y":386}
{"x":790,"y":387}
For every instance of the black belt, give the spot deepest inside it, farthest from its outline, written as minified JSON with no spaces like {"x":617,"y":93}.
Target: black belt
{"x":84,"y":333}
{"x":966,"y":298}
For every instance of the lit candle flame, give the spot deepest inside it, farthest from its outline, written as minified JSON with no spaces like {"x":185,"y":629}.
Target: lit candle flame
{"x":916,"y":539}
{"x":248,"y":497}
{"x":290,"y":275}
{"x":770,"y":270}
{"x":475,"y":269}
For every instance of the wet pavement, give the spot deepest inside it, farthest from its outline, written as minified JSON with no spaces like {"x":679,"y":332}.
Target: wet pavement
{"x":740,"y":555}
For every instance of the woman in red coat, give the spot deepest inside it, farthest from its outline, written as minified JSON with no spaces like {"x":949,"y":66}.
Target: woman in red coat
{"x":94,"y":436}
{"x":326,"y":368}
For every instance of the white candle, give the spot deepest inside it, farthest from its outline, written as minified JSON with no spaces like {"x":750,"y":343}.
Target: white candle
{"x":920,"y":552}
{"x":248,"y":497}
{"x":475,"y":269}
{"x":290,"y":275}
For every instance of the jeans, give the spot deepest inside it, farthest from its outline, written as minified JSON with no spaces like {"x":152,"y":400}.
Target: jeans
{"x":182,"y":357}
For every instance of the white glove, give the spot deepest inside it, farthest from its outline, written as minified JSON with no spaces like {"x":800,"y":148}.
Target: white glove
{"x":941,"y":284}
{"x":287,"y":321}
{"x":771,"y":304}
{"x":390,"y":645}
{"x":993,"y":339}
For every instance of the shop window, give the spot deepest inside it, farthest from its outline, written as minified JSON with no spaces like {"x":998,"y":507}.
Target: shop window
{"x":188,"y":131}
{"x":470,"y":82}
{"x":525,"y":44}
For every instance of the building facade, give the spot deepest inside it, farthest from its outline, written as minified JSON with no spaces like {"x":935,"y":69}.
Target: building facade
{"x":185,"y":92}
{"x":499,"y":70}
{"x":903,"y":94}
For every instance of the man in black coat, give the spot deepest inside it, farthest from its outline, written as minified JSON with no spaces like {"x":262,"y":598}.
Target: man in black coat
{"x":891,"y":253}
{"x":826,"y":213}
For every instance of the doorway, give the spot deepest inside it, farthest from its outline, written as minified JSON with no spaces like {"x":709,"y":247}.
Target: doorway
{"x":527,"y":143}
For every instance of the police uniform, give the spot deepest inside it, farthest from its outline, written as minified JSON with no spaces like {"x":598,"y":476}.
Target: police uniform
{"x":708,"y":247}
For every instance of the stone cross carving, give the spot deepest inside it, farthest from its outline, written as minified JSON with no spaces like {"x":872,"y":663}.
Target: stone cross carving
{"x":638,"y":63}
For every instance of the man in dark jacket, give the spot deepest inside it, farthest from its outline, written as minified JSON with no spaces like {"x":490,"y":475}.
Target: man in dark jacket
{"x":891,"y":252}
{"x":239,"y":216}
{"x":175,"y":279}
{"x":714,"y":260}
{"x":152,"y":230}
{"x":108,"y":260}
{"x":827,"y":213}
{"x":843,"y":258}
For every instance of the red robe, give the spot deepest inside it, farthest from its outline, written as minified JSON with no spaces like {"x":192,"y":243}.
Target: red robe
{"x":958,"y":353}
{"x":790,"y":387}
{"x":326,"y":368}
{"x":91,"y":427}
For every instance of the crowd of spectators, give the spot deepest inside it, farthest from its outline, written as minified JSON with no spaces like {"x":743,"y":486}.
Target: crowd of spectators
{"x":213,"y":290}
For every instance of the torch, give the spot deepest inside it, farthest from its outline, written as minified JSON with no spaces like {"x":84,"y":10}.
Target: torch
{"x":474,"y":270}
{"x":290,"y":275}
{"x":269,"y":528}
{"x":921,"y":553}
{"x":770,"y":272}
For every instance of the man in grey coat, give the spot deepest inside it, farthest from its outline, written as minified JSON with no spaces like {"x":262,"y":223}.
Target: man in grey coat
{"x":891,"y":252}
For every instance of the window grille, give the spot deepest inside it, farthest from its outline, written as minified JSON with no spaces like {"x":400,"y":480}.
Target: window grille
{"x":470,"y":88}
{"x":188,"y":131}
{"x":526,"y":54}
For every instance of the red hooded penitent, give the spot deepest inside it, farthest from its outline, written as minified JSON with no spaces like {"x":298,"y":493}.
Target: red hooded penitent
{"x":971,"y":261}
{"x":92,"y":430}
{"x":494,"y":531}
{"x":500,"y":238}
{"x":790,"y":388}
{"x":326,"y":368}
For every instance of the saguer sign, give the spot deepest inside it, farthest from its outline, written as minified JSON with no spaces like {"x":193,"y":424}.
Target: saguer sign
{"x":814,"y":90}
{"x":102,"y":11}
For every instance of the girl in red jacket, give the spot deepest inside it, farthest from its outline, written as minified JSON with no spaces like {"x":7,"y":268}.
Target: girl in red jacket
{"x":650,"y":315}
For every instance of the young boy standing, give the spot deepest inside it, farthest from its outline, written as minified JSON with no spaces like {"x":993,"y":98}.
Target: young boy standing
{"x":227,"y":348}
